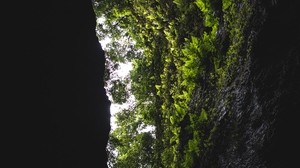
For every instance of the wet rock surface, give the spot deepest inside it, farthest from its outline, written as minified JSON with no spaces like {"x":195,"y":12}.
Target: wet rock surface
{"x":255,"y":122}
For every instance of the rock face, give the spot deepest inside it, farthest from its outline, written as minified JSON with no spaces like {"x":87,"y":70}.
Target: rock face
{"x":56,"y":106}
{"x":256,"y":124}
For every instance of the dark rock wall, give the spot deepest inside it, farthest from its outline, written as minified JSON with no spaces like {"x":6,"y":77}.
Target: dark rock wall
{"x":277,"y":77}
{"x":256,"y":123}
{"x":56,"y":106}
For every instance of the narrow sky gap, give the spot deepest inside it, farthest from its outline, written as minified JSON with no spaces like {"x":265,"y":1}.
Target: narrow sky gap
{"x":122,"y":72}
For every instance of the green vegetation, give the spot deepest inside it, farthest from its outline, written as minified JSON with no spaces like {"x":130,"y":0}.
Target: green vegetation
{"x":175,"y":49}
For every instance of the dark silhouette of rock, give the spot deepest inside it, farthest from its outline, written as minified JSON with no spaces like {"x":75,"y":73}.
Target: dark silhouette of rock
{"x":55,"y":106}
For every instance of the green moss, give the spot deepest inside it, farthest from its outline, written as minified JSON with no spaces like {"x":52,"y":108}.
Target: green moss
{"x":181,"y":56}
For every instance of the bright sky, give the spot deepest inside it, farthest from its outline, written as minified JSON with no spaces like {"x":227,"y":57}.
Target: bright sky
{"x":114,"y":108}
{"x":122,"y":72}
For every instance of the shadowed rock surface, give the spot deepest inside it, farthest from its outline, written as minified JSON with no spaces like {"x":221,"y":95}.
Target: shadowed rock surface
{"x":256,"y":123}
{"x":56,"y":106}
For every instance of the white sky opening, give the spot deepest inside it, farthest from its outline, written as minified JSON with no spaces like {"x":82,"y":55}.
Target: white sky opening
{"x":123,"y":71}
